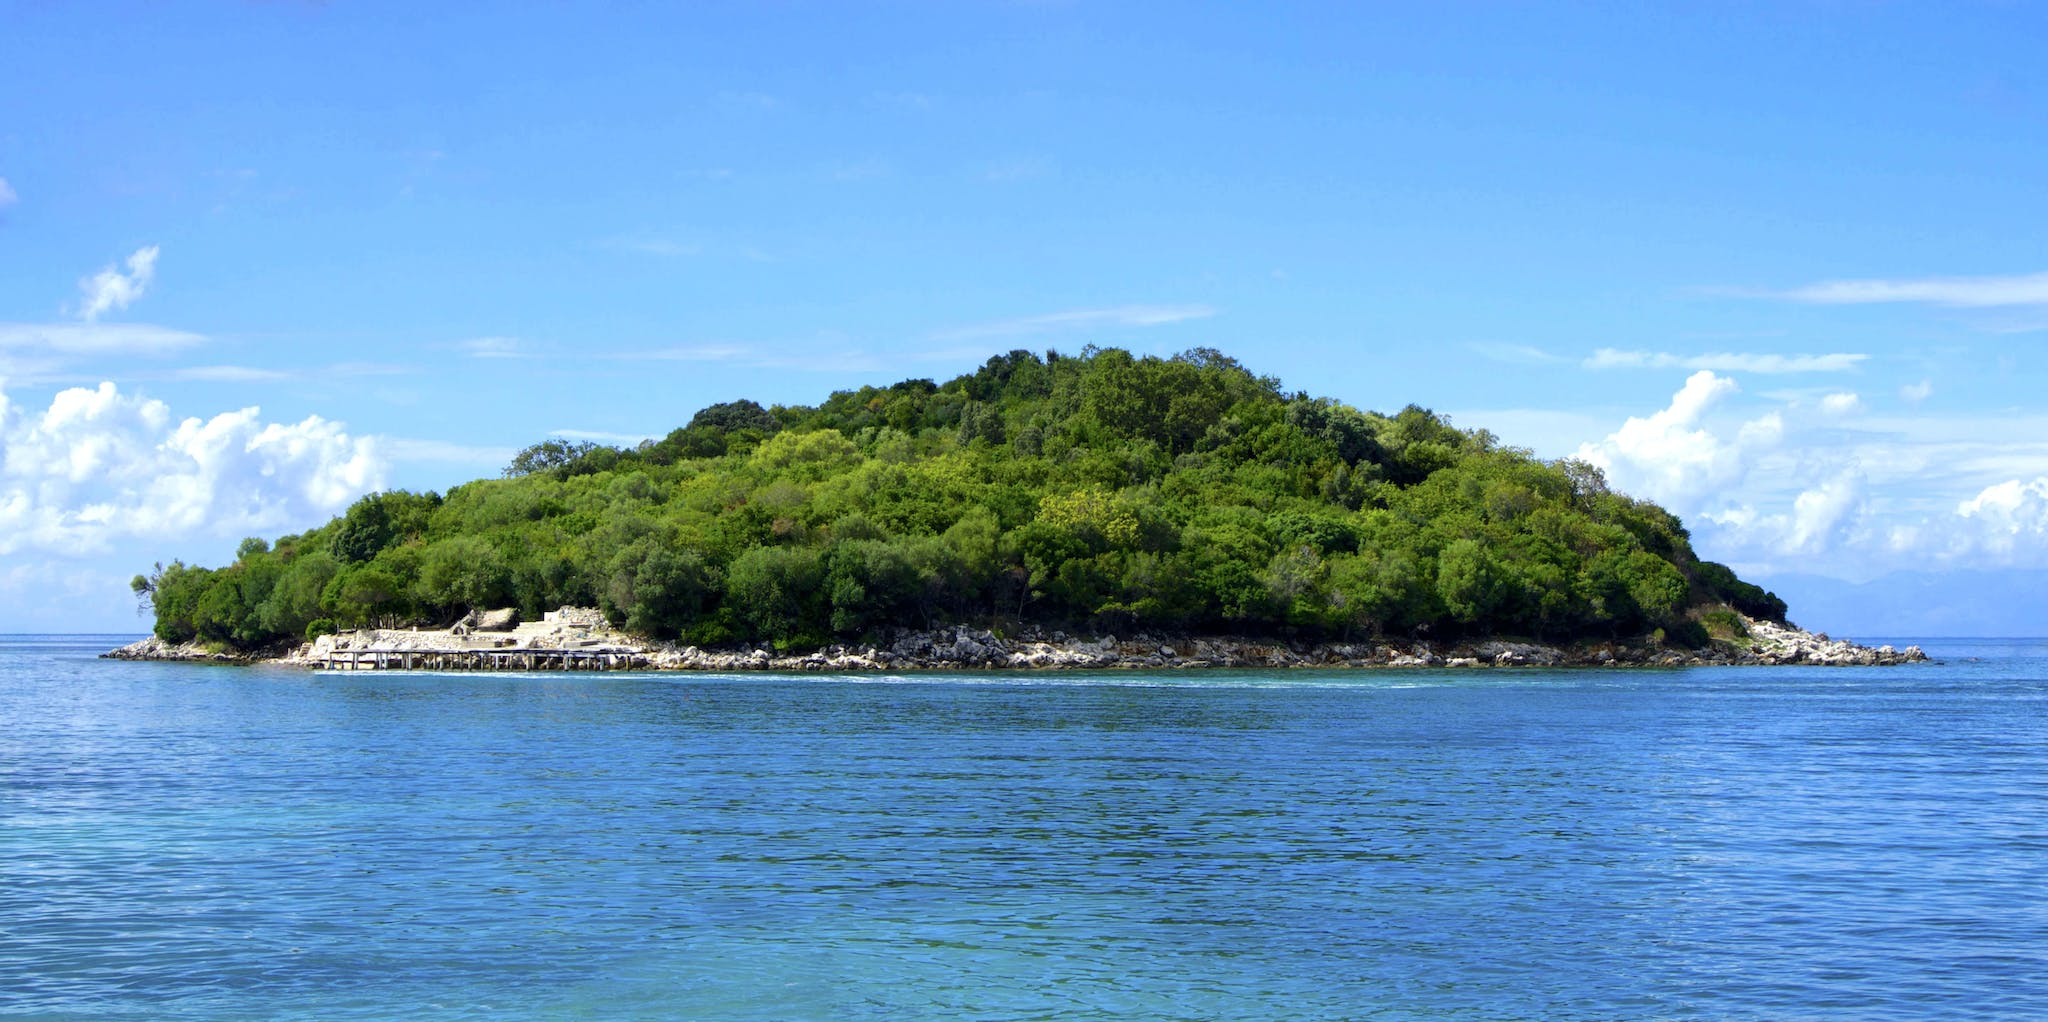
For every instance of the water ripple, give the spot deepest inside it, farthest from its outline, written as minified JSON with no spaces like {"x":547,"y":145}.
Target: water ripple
{"x":192,"y":843}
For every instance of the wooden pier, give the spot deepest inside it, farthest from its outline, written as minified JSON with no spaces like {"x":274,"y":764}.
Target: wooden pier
{"x":396,"y":659}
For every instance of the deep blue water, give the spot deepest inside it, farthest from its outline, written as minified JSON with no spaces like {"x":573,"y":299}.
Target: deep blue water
{"x":181,"y":842}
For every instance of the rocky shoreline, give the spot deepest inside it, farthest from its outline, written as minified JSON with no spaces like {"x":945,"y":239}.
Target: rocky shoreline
{"x":153,"y":648}
{"x":955,"y":649}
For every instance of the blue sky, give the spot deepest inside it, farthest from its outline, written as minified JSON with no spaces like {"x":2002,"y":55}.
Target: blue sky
{"x":1778,"y":266}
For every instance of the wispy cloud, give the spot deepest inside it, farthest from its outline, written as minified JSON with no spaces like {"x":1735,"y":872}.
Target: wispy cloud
{"x":762,"y":356}
{"x":96,"y":338}
{"x":1025,"y":168}
{"x":1915,"y":393}
{"x":495,"y":347}
{"x":747,"y":100}
{"x":1121,"y":316}
{"x":654,"y":246}
{"x":600,"y":436}
{"x":420,"y":166}
{"x":866,"y":169}
{"x":907,"y":100}
{"x":1516,"y":354}
{"x":368,"y":369}
{"x":1964,"y":292}
{"x":260,"y":374}
{"x":693,"y":353}
{"x":1725,"y":362}
{"x":229,"y":374}
{"x":110,"y":290}
{"x":406,"y":449}
{"x":8,"y":197}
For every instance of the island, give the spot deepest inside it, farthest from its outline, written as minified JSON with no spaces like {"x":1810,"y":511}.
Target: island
{"x":1098,"y":509}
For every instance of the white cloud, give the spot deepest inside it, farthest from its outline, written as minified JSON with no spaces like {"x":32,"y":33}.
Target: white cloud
{"x":1025,"y":168}
{"x":1819,"y":515}
{"x":600,"y":436}
{"x":1670,"y":456}
{"x":258,"y":374}
{"x":764,"y":356}
{"x":1841,"y":404}
{"x":96,"y":338}
{"x":1080,"y":319}
{"x":1804,"y":488}
{"x":1968,"y":292}
{"x":98,"y":466}
{"x":405,"y":449}
{"x":908,"y":100}
{"x":1752,"y":495}
{"x":2005,"y":524}
{"x":8,"y":197}
{"x":649,"y":245}
{"x":63,"y":595}
{"x":1549,"y":433}
{"x":1725,"y":362}
{"x":495,"y":347}
{"x":1821,"y":520}
{"x":368,"y":369}
{"x":1515,"y":354}
{"x":1917,"y":392}
{"x":869,"y":168}
{"x":744,"y":100}
{"x":110,"y":290}
{"x":229,"y":374}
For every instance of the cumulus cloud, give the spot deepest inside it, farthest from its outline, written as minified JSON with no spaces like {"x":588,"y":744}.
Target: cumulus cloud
{"x":1670,"y":456}
{"x":1917,"y":392}
{"x":1965,"y":292}
{"x":1823,"y":518}
{"x":1717,"y":478}
{"x":98,"y":466}
{"x":110,"y":290}
{"x":1805,"y":487}
{"x":1725,"y":362}
{"x":2005,"y":523}
{"x":1841,"y":404}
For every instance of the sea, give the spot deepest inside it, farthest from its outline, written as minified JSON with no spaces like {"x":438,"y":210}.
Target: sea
{"x":194,"y":842}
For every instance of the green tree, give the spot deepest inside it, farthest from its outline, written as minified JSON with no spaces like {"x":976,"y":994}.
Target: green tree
{"x":778,"y":594}
{"x":1468,"y":580}
{"x":462,"y":573}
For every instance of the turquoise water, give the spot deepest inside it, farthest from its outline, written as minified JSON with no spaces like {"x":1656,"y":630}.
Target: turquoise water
{"x":181,"y":842}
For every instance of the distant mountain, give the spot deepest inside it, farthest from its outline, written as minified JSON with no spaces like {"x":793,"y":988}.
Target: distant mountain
{"x":1912,"y":604}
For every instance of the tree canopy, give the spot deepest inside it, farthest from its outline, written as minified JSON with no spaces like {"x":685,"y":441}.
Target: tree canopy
{"x":1103,"y":490}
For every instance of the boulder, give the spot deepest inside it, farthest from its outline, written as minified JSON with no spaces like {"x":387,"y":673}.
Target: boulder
{"x":503,"y":619}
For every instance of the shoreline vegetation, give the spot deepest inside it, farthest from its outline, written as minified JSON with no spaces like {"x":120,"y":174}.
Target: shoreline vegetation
{"x":1090,"y":510}
{"x":597,"y":646}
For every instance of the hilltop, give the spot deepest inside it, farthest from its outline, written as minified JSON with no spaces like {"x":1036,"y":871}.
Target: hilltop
{"x":1182,"y":496}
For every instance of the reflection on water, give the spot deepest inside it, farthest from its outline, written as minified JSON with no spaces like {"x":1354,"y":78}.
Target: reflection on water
{"x":188,"y":842}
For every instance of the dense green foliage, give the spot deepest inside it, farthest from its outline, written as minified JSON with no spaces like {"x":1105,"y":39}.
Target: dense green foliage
{"x":1103,"y":490}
